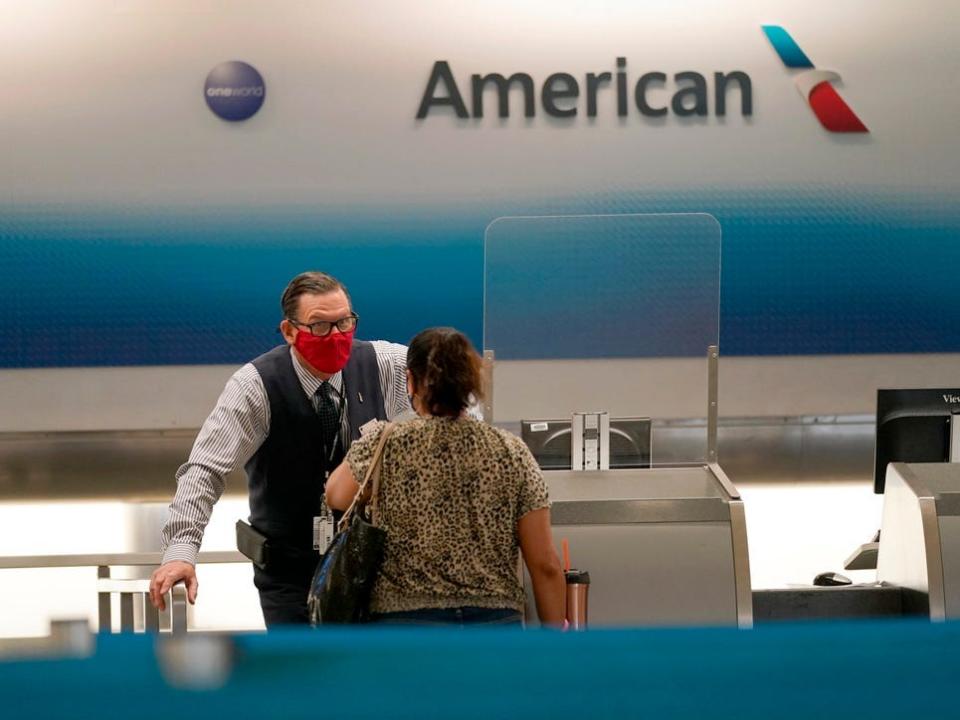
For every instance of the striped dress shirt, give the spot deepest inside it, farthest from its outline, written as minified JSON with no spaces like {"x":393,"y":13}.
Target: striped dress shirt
{"x":235,"y":430}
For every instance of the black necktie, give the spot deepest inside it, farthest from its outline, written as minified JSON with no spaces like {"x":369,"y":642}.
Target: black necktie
{"x":329,"y":417}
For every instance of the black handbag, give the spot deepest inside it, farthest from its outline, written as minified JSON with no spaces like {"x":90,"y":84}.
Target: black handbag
{"x":341,"y":586}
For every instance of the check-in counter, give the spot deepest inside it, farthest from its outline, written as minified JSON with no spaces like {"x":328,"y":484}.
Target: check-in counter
{"x":663,"y":546}
{"x":920,"y":536}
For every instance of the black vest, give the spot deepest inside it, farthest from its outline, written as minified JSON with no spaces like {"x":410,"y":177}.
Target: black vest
{"x":286,"y":474}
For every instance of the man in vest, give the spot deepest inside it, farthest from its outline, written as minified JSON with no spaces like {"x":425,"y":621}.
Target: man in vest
{"x":287,"y":417}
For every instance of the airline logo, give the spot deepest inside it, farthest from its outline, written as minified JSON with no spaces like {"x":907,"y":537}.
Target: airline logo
{"x":234,"y":90}
{"x":815,"y":85}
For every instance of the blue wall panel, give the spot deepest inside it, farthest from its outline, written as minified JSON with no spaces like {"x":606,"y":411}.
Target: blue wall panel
{"x":804,"y":272}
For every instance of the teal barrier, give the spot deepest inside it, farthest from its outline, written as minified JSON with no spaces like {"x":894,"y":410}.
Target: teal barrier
{"x":893,"y":669}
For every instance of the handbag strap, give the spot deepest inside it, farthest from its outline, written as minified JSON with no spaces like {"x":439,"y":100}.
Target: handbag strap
{"x":373,"y":472}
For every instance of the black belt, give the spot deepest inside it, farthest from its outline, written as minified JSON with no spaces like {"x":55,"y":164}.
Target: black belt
{"x":272,"y":553}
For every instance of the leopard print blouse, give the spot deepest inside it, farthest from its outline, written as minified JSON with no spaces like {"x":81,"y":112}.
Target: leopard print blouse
{"x":451,"y":493}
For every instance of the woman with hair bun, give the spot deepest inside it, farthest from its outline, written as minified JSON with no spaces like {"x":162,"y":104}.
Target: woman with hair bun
{"x":459,"y":499}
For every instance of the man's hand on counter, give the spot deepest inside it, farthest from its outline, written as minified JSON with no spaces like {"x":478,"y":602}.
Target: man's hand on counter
{"x":168,"y":575}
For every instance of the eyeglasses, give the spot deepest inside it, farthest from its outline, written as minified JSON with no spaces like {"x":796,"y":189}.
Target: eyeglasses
{"x":322,"y":328}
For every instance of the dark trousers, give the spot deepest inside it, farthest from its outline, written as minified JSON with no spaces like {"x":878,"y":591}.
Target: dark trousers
{"x":283,"y":591}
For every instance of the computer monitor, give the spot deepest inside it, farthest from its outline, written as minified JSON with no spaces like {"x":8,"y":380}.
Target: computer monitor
{"x":549,"y":441}
{"x":916,"y":426}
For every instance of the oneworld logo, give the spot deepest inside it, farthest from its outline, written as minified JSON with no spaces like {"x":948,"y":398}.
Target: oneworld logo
{"x":234,"y":90}
{"x":815,"y":86}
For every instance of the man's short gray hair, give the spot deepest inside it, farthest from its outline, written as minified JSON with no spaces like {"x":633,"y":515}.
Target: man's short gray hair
{"x":308,"y":283}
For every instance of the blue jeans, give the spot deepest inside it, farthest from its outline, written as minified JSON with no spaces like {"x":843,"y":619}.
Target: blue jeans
{"x":457,"y":617}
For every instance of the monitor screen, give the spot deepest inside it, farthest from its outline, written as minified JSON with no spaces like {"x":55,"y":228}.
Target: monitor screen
{"x":549,"y":441}
{"x":913,"y":426}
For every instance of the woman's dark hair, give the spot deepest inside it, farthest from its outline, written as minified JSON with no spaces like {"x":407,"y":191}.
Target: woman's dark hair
{"x":445,"y":369}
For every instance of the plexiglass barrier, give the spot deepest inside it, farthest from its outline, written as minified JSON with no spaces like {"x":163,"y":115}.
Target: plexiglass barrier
{"x":605,"y":313}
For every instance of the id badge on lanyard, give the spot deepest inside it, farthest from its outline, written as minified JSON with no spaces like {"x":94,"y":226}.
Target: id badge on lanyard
{"x":323,"y":528}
